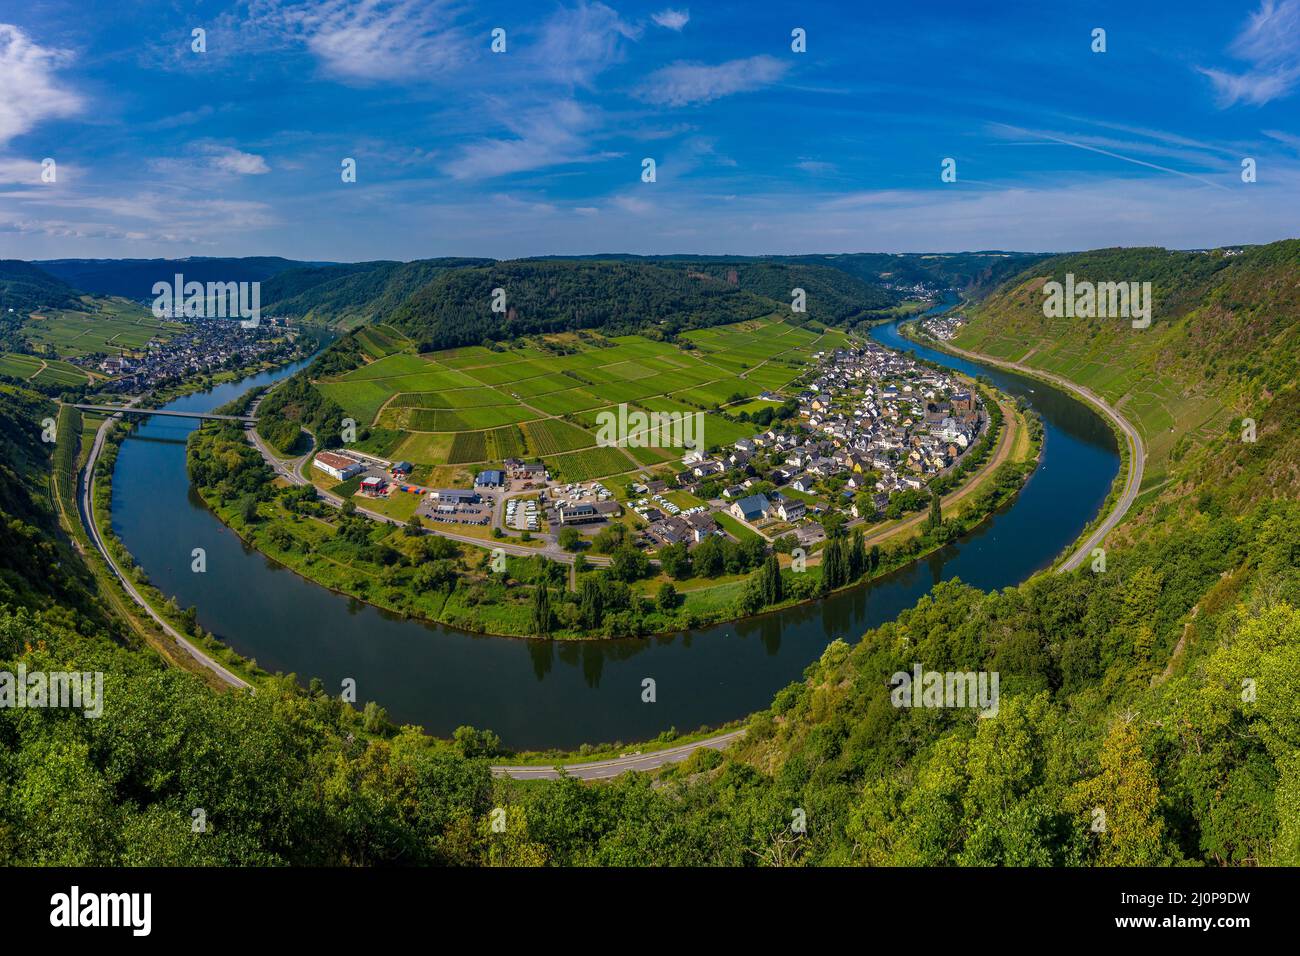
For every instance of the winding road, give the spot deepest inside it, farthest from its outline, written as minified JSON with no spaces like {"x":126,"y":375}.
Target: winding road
{"x":291,"y":470}
{"x":1136,"y":449}
{"x":92,"y":528}
{"x":605,"y":769}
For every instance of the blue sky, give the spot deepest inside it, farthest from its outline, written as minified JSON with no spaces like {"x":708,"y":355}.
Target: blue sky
{"x":162,"y":151}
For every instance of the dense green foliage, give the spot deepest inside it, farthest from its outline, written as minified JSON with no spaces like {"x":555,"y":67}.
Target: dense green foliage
{"x":1159,"y":696}
{"x":135,"y":278}
{"x":361,"y":290}
{"x":25,"y":288}
{"x":616,"y":298}
{"x":296,"y":405}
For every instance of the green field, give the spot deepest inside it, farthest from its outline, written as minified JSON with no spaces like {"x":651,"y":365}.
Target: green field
{"x":114,"y":326}
{"x":475,"y":405}
{"x":41,"y":371}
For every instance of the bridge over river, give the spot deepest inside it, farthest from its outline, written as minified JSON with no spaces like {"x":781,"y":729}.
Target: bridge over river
{"x":246,"y":419}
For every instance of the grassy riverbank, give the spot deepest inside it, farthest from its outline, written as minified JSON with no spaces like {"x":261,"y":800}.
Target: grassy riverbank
{"x":424,"y":576}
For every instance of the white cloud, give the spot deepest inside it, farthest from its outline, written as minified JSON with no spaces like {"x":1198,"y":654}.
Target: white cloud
{"x":1270,"y":42}
{"x":31,"y":91}
{"x":672,"y":19}
{"x":681,"y":84}
{"x":230,"y":160}
{"x":381,"y":40}
{"x":638,"y":207}
{"x":547,"y":136}
{"x":24,"y":171}
{"x":358,"y":42}
{"x":1287,"y":139}
{"x":579,"y":43}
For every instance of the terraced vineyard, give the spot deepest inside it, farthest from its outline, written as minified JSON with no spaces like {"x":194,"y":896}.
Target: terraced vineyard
{"x":39,"y":371}
{"x":116,"y":325}
{"x":478,"y":405}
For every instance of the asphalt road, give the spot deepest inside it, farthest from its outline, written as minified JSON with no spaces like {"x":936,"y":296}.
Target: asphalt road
{"x":1137,"y":451}
{"x":605,"y":769}
{"x":87,"y":498}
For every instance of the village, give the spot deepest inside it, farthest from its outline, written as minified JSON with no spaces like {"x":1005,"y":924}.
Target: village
{"x":872,"y":427}
{"x":943,"y":327}
{"x":202,"y":347}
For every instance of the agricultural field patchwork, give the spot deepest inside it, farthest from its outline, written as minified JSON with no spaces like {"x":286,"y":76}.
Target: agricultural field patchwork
{"x":478,"y":405}
{"x":40,"y":371}
{"x":114,"y":326}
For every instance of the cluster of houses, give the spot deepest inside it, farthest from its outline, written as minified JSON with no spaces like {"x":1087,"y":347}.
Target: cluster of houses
{"x":875,"y":422}
{"x":691,"y":526}
{"x":943,"y":327}
{"x":883,"y":412}
{"x":204,"y":346}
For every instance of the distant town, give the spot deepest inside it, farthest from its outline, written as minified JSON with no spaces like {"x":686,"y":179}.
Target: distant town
{"x":204,"y":346}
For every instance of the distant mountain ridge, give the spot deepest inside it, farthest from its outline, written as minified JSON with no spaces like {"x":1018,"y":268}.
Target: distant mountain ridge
{"x":134,"y":278}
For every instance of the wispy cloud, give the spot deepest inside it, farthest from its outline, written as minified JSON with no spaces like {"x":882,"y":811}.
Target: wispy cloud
{"x":672,"y":19}
{"x":578,"y":43}
{"x":231,"y":160}
{"x":816,"y":167}
{"x":681,"y":84}
{"x":1270,"y":43}
{"x":551,"y":135}
{"x":355,"y":42}
{"x":381,"y":39}
{"x":32,"y":92}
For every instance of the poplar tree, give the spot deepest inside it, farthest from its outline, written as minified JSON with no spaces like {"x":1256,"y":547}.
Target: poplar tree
{"x":591,"y":604}
{"x":541,"y":608}
{"x":775,"y":589}
{"x":857,"y":556}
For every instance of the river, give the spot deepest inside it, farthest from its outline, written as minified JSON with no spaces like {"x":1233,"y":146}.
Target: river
{"x":539,"y":694}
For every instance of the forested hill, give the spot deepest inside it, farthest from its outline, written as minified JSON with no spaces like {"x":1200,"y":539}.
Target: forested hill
{"x":620,"y":298}
{"x":352,"y":293}
{"x":25,"y":288}
{"x":448,"y":302}
{"x":971,"y":272}
{"x":1223,"y":344}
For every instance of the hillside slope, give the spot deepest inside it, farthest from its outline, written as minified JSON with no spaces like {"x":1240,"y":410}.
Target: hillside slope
{"x":619,"y":298}
{"x":353,"y":293}
{"x":1222,"y":344}
{"x":25,"y":288}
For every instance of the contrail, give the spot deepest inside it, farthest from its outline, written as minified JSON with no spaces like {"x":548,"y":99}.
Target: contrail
{"x":1106,"y":152}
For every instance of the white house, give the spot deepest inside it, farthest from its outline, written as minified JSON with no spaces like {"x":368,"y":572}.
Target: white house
{"x":791,"y":509}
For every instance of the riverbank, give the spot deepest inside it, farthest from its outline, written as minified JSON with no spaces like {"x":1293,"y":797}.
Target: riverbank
{"x":1127,"y":483}
{"x":552,"y":696}
{"x":170,"y":630}
{"x":391,"y":570}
